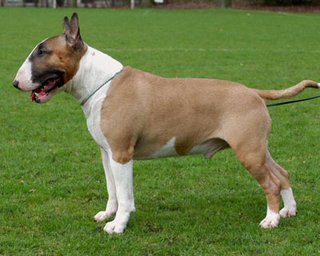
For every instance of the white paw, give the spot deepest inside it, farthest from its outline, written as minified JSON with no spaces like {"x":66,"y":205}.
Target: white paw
{"x":114,"y":227}
{"x":270,"y":221}
{"x":103,"y":215}
{"x":290,"y":205}
{"x":286,"y":212}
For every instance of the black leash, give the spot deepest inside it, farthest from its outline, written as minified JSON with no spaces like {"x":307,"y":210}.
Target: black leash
{"x":292,"y":101}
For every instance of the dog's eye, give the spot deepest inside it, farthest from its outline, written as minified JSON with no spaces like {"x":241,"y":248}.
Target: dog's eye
{"x":41,"y":52}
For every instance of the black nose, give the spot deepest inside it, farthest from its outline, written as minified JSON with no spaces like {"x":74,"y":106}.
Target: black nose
{"x":16,"y":84}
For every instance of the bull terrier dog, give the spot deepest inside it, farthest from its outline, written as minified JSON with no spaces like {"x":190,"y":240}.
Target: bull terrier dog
{"x":133,"y":114}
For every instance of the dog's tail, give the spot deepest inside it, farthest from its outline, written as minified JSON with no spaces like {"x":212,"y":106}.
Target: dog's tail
{"x":286,"y":93}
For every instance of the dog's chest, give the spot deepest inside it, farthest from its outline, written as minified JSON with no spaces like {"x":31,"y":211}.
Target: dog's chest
{"x":93,"y":115}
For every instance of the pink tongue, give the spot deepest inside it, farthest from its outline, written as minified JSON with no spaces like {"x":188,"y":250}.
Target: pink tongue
{"x":40,"y":93}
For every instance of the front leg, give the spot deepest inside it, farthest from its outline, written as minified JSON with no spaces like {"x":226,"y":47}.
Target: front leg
{"x":123,"y":180}
{"x":112,"y":204}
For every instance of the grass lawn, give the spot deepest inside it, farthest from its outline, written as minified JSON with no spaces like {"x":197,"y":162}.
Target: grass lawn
{"x":51,"y":177}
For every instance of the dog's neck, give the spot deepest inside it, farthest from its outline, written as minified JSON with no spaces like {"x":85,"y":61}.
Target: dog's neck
{"x":95,"y":68}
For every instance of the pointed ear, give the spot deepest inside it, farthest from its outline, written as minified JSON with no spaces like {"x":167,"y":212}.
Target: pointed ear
{"x":72,"y":30}
{"x":67,"y":27}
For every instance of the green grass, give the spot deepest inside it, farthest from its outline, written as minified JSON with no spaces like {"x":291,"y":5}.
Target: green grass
{"x":51,"y":177}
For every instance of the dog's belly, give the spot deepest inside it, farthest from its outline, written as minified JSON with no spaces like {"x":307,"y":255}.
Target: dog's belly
{"x":208,"y":149}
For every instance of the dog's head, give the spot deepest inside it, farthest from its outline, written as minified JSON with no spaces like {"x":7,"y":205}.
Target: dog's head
{"x":52,"y":63}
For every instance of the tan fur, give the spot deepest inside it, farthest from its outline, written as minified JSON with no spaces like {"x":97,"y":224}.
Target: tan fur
{"x":62,"y":57}
{"x":142,"y":112}
{"x":287,"y":93}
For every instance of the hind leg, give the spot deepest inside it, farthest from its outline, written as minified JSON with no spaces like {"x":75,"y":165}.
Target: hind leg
{"x":290,"y":206}
{"x":256,"y":162}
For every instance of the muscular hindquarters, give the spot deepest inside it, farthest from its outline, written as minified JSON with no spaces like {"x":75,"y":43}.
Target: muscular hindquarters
{"x":250,"y":146}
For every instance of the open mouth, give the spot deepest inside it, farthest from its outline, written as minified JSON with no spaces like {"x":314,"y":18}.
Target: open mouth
{"x":46,"y":90}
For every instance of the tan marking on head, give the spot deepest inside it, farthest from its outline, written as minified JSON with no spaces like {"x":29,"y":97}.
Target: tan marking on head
{"x":59,"y":56}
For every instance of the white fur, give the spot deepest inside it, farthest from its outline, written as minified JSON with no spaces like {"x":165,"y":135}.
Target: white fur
{"x":96,"y":68}
{"x":167,"y":150}
{"x":271,"y":220}
{"x":112,"y":203}
{"x":290,"y":205}
{"x":123,"y":180}
{"x":207,"y":149}
{"x":318,"y":85}
{"x":24,"y":74}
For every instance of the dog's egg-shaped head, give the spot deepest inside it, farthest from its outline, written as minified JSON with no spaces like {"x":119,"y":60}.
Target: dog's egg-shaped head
{"x":52,"y":63}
